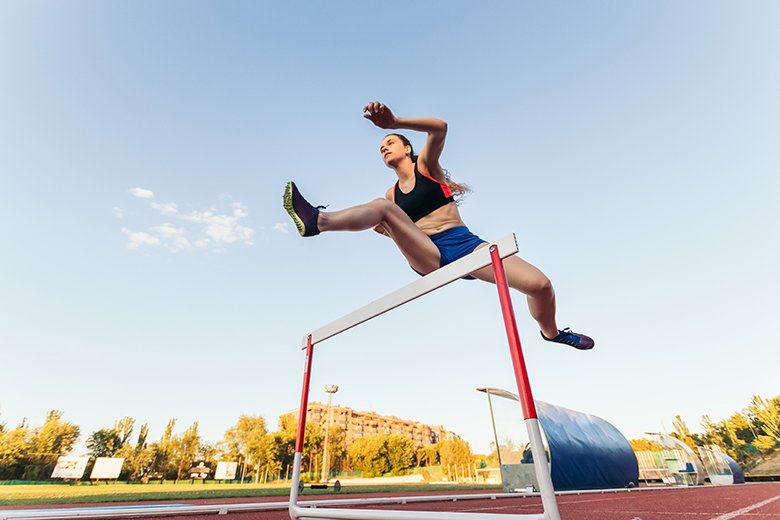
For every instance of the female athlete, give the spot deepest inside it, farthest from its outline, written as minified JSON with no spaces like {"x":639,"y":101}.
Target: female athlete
{"x":420,"y":214}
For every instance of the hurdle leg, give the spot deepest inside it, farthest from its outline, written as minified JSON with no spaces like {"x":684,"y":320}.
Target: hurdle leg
{"x":296,"y":476}
{"x":524,"y":390}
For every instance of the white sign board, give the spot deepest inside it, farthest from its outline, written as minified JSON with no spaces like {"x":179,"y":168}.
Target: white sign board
{"x":226,"y":471}
{"x":70,"y":467}
{"x":107,"y":468}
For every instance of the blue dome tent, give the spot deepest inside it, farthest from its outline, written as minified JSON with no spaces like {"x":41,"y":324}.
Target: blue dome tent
{"x":585,"y":451}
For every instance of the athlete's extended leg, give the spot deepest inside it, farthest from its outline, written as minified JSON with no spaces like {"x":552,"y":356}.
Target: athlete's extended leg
{"x":415,"y":245}
{"x":539,"y":292}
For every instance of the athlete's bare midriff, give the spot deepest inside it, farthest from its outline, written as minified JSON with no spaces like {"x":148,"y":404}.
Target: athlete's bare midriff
{"x":440,"y":219}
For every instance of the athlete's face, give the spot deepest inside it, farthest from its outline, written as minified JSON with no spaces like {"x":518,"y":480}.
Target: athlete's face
{"x":393,"y":150}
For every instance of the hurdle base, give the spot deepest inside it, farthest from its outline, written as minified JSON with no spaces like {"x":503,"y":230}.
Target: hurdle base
{"x":482,"y":257}
{"x":311,"y":513}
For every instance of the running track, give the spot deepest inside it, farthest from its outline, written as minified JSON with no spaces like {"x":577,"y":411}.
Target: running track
{"x":759,"y":501}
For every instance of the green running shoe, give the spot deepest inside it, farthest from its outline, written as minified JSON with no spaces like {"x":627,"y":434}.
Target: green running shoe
{"x":303,"y":214}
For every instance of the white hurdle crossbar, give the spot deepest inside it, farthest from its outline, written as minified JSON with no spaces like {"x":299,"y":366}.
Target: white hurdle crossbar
{"x":492,"y":255}
{"x":435,"y":280}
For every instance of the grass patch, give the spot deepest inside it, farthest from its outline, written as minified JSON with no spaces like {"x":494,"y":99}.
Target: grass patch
{"x":23,"y":495}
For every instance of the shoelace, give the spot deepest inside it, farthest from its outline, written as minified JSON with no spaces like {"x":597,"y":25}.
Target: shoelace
{"x":570,"y":338}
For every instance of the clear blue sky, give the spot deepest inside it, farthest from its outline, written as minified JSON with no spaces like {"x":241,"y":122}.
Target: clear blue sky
{"x":149,"y":270}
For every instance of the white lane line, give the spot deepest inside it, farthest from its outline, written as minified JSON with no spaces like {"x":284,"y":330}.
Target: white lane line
{"x":582,"y":501}
{"x":744,"y":510}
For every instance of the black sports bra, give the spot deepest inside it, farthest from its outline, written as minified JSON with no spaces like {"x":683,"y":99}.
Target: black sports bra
{"x":427,"y":195}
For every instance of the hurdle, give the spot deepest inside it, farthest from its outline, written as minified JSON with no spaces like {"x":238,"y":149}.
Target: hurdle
{"x":493,"y":255}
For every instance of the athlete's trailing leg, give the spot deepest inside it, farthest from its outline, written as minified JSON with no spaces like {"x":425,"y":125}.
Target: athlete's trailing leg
{"x":540,"y":295}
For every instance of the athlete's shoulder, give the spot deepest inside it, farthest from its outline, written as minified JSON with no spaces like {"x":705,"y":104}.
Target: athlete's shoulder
{"x":436,"y":173}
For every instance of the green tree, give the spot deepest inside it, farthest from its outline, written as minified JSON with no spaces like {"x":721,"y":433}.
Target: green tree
{"x":104,"y":443}
{"x":124,"y":429}
{"x":376,"y":455}
{"x":765,"y":443}
{"x":766,"y":414}
{"x":47,"y":443}
{"x":491,"y":459}
{"x":282,"y":446}
{"x":733,"y":435}
{"x":645,"y":445}
{"x":369,"y":455}
{"x":248,"y":442}
{"x":55,"y":437}
{"x":400,"y":453}
{"x":312,"y":447}
{"x":428,"y":455}
{"x":115,"y":442}
{"x":683,"y":433}
{"x":207,"y":451}
{"x":455,"y":452}
{"x":185,"y":450}
{"x":13,"y":450}
{"x":283,"y":443}
{"x":337,"y":448}
{"x":163,"y":452}
{"x":245,"y":436}
{"x":138,"y":459}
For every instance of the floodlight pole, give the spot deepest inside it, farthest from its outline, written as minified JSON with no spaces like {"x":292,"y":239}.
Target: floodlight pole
{"x":330,"y":389}
{"x":495,"y":432}
{"x":524,"y":389}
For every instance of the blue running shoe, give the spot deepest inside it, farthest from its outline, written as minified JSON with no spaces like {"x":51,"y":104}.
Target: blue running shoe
{"x":303,"y":214}
{"x":573,"y":339}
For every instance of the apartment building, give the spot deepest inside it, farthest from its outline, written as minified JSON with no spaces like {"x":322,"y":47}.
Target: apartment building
{"x":358,"y":424}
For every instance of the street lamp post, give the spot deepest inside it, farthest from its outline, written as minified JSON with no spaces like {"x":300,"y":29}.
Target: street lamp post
{"x":330,"y":389}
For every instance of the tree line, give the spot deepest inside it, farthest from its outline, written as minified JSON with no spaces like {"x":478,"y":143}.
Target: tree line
{"x":31,"y":453}
{"x":748,"y":436}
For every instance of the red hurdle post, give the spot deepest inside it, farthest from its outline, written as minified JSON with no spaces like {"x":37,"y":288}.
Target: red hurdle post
{"x":546,"y":489}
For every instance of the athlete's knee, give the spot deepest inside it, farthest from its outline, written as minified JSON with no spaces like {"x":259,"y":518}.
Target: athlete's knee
{"x":541,"y":287}
{"x":428,"y":269}
{"x":385,"y":207}
{"x":380,"y":204}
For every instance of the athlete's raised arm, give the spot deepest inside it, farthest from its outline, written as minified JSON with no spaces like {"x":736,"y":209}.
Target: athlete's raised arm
{"x":381,"y":115}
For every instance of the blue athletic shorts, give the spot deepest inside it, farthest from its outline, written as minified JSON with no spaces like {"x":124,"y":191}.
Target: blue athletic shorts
{"x":455,"y":243}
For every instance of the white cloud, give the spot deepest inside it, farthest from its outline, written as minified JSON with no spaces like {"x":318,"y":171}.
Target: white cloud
{"x":136,"y":239}
{"x":173,"y":237}
{"x":141,"y":193}
{"x":282,"y":227}
{"x":167,"y":208}
{"x":168,"y":230}
{"x":209,"y":229}
{"x":118,"y":213}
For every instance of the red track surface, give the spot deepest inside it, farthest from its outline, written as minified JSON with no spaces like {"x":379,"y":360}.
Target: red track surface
{"x":688,"y":503}
{"x":703,"y":503}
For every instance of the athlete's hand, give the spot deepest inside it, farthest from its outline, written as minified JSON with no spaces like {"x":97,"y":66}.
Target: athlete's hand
{"x":380,"y":115}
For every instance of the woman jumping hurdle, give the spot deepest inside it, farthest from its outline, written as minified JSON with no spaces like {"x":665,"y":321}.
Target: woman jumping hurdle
{"x":420,"y":214}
